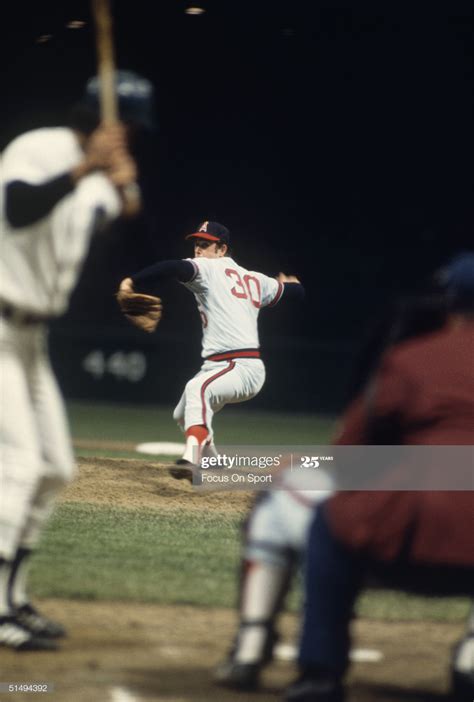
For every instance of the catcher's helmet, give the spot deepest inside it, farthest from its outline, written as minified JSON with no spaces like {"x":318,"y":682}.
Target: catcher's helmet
{"x":134,"y":94}
{"x":458,"y":280}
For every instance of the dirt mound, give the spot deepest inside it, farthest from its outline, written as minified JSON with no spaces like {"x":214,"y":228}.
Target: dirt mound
{"x":144,"y":483}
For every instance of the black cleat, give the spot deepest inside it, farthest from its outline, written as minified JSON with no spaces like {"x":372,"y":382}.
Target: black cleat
{"x":237,"y":676}
{"x":182,"y":470}
{"x":37,"y":624}
{"x":14,"y":635}
{"x":309,"y":689}
{"x":245,"y":676}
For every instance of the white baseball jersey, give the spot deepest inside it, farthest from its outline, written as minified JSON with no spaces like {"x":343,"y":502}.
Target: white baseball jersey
{"x":40,"y":263}
{"x":229,"y":298}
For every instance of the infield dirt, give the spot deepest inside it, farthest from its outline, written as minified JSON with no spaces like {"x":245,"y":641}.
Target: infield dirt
{"x":125,"y":652}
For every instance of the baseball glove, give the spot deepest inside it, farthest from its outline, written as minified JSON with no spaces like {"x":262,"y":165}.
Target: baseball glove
{"x":143,"y":311}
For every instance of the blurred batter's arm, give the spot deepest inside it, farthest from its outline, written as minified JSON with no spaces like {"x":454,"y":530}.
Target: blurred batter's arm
{"x":27,"y":203}
{"x":105,"y":149}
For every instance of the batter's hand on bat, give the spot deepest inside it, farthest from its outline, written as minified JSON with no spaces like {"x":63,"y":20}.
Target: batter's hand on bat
{"x":101,"y":147}
{"x":105,"y":143}
{"x":283,"y":278}
{"x":106,"y":149}
{"x":123,"y":174}
{"x":122,"y":170}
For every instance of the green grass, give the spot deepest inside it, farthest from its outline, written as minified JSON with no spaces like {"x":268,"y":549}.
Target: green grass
{"x":234,"y":425}
{"x":91,"y":552}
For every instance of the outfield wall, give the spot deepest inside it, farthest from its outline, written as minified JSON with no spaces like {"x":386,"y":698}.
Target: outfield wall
{"x":113,"y":365}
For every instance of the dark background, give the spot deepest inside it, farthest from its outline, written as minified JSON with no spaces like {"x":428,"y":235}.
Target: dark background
{"x":335,"y":140}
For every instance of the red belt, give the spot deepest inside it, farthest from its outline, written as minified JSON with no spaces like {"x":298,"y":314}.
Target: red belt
{"x":239,"y":353}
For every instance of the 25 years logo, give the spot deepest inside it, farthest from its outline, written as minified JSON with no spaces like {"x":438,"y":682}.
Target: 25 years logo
{"x":313,"y":461}
{"x":309,"y":461}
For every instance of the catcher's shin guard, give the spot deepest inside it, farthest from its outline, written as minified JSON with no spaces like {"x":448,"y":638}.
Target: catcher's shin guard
{"x":263,"y":588}
{"x":239,"y":674}
{"x":462,"y":670}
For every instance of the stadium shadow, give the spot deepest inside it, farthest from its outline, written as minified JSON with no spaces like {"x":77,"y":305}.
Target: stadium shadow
{"x":190,"y":684}
{"x":360,"y":692}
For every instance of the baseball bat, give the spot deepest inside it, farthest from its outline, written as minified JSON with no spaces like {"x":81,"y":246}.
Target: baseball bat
{"x":105,"y":60}
{"x":109,"y":112}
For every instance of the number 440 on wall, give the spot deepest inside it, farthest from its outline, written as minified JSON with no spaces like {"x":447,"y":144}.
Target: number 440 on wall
{"x":131,"y":366}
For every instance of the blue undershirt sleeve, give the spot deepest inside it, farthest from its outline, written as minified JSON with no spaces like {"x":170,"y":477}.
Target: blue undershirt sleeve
{"x":293,"y":291}
{"x":180,"y":269}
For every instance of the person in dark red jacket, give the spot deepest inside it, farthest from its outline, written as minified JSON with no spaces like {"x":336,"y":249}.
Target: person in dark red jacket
{"x":422,"y":394}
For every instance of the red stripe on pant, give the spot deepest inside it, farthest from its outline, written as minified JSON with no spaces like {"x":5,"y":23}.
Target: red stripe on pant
{"x":230,"y":367}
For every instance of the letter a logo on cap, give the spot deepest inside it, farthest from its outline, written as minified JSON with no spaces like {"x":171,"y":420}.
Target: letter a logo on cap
{"x":203,"y":227}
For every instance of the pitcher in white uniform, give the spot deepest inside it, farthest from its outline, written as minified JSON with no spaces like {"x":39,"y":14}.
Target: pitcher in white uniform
{"x":57,"y":187}
{"x":229,"y":298}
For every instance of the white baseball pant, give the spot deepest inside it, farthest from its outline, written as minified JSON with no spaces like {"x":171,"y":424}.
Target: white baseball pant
{"x":35,"y":450}
{"x":218,"y":383}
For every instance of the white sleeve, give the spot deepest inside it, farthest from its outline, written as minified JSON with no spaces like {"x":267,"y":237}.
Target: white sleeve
{"x":26,"y":159}
{"x":95,"y":191}
{"x":271,"y":290}
{"x":77,"y":215}
{"x":200,"y":281}
{"x":37,"y":156}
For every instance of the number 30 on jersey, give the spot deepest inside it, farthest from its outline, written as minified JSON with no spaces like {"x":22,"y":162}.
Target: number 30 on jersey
{"x":246,"y":288}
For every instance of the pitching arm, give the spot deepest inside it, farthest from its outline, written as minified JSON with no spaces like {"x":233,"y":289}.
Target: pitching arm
{"x":292,"y":288}
{"x":293,"y":291}
{"x":180,"y":269}
{"x":287,"y":286}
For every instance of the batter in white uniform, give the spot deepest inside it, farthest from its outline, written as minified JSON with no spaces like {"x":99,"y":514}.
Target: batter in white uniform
{"x":229,"y":299}
{"x":57,"y":186}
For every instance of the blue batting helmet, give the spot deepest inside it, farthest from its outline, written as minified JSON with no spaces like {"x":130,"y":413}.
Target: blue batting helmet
{"x":135,"y":96}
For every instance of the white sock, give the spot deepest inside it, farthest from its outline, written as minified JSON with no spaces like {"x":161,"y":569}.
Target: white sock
{"x":192,"y":450}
